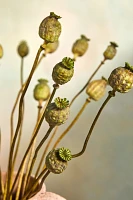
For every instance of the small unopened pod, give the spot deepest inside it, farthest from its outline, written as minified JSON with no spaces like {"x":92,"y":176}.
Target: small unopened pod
{"x":56,"y":160}
{"x":23,"y":49}
{"x":51,"y":47}
{"x":58,"y":112}
{"x":63,"y":71}
{"x":50,"y":28}
{"x":96,"y":89}
{"x":80,"y":46}
{"x":41,"y":91}
{"x":121,"y":78}
{"x":1,"y":51}
{"x":111,"y":51}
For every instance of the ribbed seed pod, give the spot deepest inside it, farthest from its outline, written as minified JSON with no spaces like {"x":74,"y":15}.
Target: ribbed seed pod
{"x":121,"y":78}
{"x":58,"y":112}
{"x":41,"y":91}
{"x":51,"y":47}
{"x":1,"y":51}
{"x":80,"y":46}
{"x":54,"y":162}
{"x":50,"y":28}
{"x":23,"y":49}
{"x":111,"y":51}
{"x":63,"y":71}
{"x":96,"y":89}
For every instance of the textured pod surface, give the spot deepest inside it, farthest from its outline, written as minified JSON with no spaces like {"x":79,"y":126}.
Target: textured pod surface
{"x":41,"y":92}
{"x":50,"y":29}
{"x":121,"y":79}
{"x":55,"y":116}
{"x":54,"y":163}
{"x":62,"y":75}
{"x":111,"y":51}
{"x":96,"y":89}
{"x":1,"y":51}
{"x":51,"y":47}
{"x":80,"y":47}
{"x":23,"y":49}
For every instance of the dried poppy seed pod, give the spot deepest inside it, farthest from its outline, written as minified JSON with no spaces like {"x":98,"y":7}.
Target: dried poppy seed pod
{"x":58,"y":112}
{"x":121,"y":78}
{"x":1,"y":51}
{"x":50,"y":28}
{"x":80,"y":46}
{"x":54,"y":162}
{"x":63,"y":71}
{"x":96,"y":89}
{"x":111,"y":51}
{"x":41,"y":91}
{"x":23,"y":49}
{"x":51,"y":47}
{"x":65,"y":154}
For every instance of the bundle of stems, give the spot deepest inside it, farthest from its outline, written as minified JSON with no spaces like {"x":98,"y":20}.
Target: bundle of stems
{"x":54,"y":112}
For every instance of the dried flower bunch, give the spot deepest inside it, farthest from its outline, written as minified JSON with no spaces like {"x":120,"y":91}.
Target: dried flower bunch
{"x":56,"y":112}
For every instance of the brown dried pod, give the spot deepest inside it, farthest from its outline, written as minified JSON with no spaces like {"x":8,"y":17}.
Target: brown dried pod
{"x":80,"y":46}
{"x":23,"y":49}
{"x":121,"y":78}
{"x":50,"y":28}
{"x":58,"y":112}
{"x":111,"y":51}
{"x":96,"y":89}
{"x":1,"y":51}
{"x":54,"y":162}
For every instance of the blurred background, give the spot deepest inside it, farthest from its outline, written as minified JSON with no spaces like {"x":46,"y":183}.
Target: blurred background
{"x":104,"y":172}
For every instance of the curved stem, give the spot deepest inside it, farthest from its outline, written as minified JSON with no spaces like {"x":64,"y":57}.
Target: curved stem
{"x":37,"y":127}
{"x":19,"y":121}
{"x":111,"y":94}
{"x":74,"y":98}
{"x":72,"y":123}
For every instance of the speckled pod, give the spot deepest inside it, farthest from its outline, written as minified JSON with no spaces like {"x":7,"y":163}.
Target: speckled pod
{"x":80,"y":46}
{"x":111,"y":51}
{"x":55,"y":116}
{"x":54,"y":163}
{"x":63,"y":71}
{"x":50,"y":28}
{"x":121,"y":79}
{"x":51,"y":47}
{"x":23,"y":49}
{"x":41,"y":91}
{"x":1,"y":51}
{"x":96,"y":89}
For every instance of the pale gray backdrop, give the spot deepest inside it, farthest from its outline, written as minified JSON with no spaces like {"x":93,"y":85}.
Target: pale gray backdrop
{"x":104,"y":172}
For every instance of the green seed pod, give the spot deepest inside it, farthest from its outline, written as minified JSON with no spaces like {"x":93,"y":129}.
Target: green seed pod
{"x":96,"y":89}
{"x":51,"y":47}
{"x":1,"y":51}
{"x":41,"y":91}
{"x":111,"y":51}
{"x":121,"y":78}
{"x":54,"y":162}
{"x":23,"y":49}
{"x":50,"y":28}
{"x":80,"y":46}
{"x":63,"y":71}
{"x":58,"y":112}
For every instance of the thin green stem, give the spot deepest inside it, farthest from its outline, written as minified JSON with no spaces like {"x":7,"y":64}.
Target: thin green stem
{"x":37,"y":127}
{"x":74,"y":98}
{"x":37,"y":151}
{"x":111,"y":94}
{"x":19,"y":122}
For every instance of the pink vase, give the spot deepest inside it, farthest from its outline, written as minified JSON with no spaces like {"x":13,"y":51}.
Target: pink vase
{"x":41,"y":195}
